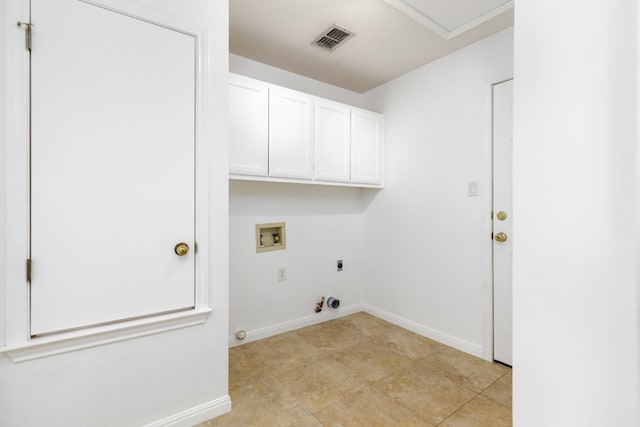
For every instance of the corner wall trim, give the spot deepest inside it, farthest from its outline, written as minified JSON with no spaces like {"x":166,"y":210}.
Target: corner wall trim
{"x":196,"y":415}
{"x":290,"y":325}
{"x":443,"y":338}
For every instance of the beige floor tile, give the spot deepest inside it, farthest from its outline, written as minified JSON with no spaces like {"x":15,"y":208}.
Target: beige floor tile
{"x":500,"y":391}
{"x":244,"y":367}
{"x":371,"y":362}
{"x":359,"y":370}
{"x":368,"y":407}
{"x":480,"y":412}
{"x":309,"y":421}
{"x":464,"y":369}
{"x":242,"y":354}
{"x":331,"y":338}
{"x":431,"y":395}
{"x":405,"y":342}
{"x":284,"y":352}
{"x":366,"y":324}
{"x":320,"y":383}
{"x":264,"y":403}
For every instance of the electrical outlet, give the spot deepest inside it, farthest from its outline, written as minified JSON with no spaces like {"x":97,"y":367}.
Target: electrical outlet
{"x":339,"y":265}
{"x":282,"y":274}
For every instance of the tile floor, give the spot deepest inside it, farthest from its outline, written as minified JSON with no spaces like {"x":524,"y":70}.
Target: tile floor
{"x":362,"y":371}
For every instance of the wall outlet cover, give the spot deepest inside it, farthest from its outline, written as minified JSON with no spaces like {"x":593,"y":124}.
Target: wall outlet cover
{"x":282,"y":274}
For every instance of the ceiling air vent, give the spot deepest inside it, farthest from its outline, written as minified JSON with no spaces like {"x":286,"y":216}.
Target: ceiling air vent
{"x":333,"y":37}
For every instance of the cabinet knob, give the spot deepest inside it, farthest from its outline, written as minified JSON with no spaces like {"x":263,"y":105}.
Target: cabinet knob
{"x":181,"y":249}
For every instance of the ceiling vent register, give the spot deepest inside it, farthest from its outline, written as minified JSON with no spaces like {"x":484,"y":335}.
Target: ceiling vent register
{"x":333,"y":37}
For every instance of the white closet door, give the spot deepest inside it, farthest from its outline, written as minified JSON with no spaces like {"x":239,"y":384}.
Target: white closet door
{"x":333,"y":141}
{"x":290,"y":134}
{"x":248,"y":126}
{"x":366,"y":147}
{"x":112,"y":176}
{"x":503,"y":222}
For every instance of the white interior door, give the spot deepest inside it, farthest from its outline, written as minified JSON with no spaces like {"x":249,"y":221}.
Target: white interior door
{"x":502,"y":220}
{"x":112,"y":166}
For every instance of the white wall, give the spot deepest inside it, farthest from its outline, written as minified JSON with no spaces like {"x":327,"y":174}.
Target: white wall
{"x":575,"y":209}
{"x":280,"y":77}
{"x":146,"y":379}
{"x":425,"y":244}
{"x":428,"y":245}
{"x":324,"y":224}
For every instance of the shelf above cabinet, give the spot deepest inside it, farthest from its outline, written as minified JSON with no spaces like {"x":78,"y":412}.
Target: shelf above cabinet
{"x":235,"y":177}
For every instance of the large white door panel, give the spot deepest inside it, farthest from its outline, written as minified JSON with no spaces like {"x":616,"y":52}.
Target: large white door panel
{"x":112,"y":166}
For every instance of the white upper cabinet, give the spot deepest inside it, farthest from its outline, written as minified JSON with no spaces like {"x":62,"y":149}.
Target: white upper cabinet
{"x":278,"y":134}
{"x":366,"y":147}
{"x":248,"y":126}
{"x":333,"y":141}
{"x":290,"y":134}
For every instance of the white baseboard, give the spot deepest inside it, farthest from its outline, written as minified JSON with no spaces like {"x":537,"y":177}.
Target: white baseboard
{"x":196,"y":415}
{"x":290,"y":325}
{"x":328,"y":314}
{"x":441,"y":337}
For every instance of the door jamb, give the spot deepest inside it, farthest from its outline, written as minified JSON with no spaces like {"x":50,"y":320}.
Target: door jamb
{"x":487,"y":247}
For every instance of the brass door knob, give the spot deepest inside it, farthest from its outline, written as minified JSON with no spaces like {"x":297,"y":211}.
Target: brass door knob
{"x":181,"y":249}
{"x":501,"y":237}
{"x":502,"y":215}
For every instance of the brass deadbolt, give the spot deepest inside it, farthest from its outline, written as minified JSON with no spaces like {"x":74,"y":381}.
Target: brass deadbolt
{"x":501,"y":237}
{"x":181,"y":249}
{"x":502,"y":215}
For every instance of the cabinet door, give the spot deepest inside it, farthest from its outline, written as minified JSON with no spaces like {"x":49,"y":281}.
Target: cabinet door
{"x":112,"y":167}
{"x":248,"y":126}
{"x":366,"y":147}
{"x":290,"y":134}
{"x":333,"y":141}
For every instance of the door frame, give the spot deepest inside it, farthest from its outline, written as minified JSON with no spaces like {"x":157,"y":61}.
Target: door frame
{"x":487,"y":246}
{"x":14,"y":201}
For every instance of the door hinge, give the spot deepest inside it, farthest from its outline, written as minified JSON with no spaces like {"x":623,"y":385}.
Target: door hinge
{"x":27,"y":32}
{"x":29,"y":270}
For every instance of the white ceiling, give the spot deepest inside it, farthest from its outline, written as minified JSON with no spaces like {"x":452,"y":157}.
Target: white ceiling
{"x":392,"y":36}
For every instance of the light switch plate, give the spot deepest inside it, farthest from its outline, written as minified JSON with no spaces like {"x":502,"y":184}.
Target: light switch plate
{"x":472,"y":188}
